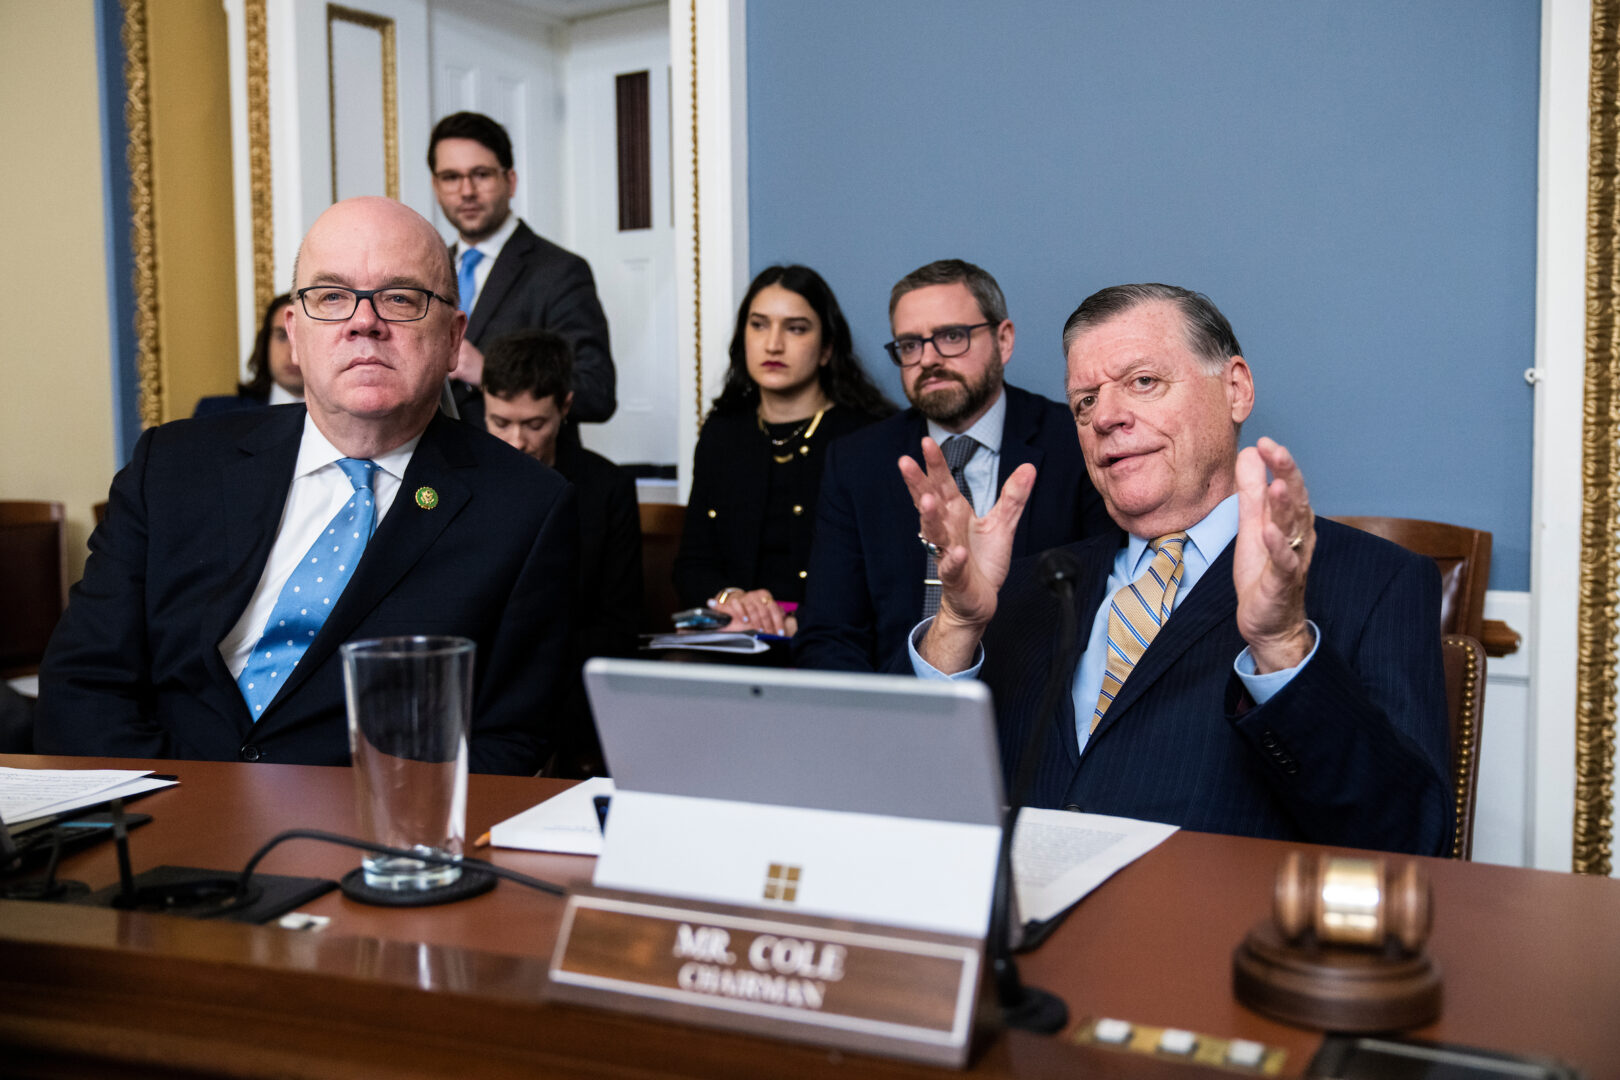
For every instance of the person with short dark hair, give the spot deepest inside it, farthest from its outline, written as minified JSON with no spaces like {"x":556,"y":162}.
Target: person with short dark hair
{"x":869,"y":578}
{"x":794,"y":385}
{"x":1244,"y":666}
{"x":510,"y":278}
{"x":528,"y":375}
{"x":273,"y":378}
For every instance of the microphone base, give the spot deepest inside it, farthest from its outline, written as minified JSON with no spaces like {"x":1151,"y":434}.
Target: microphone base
{"x":1036,"y":1010}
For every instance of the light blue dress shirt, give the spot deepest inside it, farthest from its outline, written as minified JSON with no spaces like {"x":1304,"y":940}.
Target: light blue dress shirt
{"x":1205,"y":542}
{"x":980,"y":471}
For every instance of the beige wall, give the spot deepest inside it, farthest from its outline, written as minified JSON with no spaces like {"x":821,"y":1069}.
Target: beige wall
{"x":56,"y":413}
{"x":192,"y":212}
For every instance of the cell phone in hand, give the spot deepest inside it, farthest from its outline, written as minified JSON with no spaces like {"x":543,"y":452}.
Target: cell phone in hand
{"x":700,"y":618}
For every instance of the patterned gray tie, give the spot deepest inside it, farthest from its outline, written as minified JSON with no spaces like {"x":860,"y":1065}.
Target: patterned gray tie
{"x":958,"y":451}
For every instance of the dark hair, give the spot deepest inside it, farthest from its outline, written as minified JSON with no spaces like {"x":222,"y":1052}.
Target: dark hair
{"x":475,"y":126}
{"x":1208,"y":333}
{"x":537,"y":362}
{"x":842,"y":378}
{"x":259,"y":375}
{"x":992,"y":305}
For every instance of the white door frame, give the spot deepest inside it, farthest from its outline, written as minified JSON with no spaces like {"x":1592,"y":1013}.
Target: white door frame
{"x":711,"y":236}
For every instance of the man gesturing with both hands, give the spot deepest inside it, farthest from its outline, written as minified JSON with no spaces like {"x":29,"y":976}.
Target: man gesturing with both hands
{"x":1246,"y":667}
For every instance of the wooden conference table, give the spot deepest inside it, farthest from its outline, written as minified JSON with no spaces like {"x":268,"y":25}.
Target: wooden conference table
{"x":1531,"y":962}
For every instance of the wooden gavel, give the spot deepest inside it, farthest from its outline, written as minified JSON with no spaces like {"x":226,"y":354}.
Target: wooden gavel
{"x":1348,"y":901}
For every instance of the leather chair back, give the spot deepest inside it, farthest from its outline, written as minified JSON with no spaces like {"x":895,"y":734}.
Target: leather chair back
{"x":661,"y":527}
{"x":1462,"y":554}
{"x":33,"y":581}
{"x":1465,"y":699}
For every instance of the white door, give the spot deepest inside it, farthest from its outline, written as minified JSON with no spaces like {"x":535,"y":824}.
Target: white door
{"x":635,"y":270}
{"x":505,"y":65}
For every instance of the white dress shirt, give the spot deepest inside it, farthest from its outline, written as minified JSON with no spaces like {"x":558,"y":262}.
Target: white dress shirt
{"x":319,"y":490}
{"x":980,"y":471}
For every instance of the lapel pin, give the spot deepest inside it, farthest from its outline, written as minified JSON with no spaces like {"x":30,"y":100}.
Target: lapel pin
{"x":427,"y":498}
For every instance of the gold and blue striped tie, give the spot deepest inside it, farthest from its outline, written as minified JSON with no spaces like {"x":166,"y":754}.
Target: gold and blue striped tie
{"x":1135,"y":615}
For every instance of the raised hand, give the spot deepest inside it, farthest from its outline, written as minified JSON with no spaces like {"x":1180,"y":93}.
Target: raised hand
{"x":1275,"y":540}
{"x":973,"y":552}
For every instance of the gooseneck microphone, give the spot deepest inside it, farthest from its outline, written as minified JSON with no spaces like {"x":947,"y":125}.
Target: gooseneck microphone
{"x":1030,"y":1008}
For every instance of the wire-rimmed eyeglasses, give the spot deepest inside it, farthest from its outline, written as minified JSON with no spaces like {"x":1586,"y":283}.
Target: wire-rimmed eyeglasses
{"x":334,"y":303}
{"x":948,"y":341}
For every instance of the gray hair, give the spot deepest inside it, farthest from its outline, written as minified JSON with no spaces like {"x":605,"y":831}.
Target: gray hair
{"x":1208,"y":333}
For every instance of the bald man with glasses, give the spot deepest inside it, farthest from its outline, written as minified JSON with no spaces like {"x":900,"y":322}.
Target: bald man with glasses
{"x":870,"y":580}
{"x":239,"y":551}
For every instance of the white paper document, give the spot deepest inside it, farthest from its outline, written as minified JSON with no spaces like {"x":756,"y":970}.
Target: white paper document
{"x":565,"y":823}
{"x":1059,"y":856}
{"x":726,"y":641}
{"x":27,"y":794}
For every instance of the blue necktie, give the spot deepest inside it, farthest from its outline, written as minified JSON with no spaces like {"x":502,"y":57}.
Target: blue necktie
{"x":307,"y":597}
{"x":466,"y":277}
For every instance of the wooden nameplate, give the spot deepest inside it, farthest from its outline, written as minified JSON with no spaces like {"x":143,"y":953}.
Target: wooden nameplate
{"x":831,"y":982}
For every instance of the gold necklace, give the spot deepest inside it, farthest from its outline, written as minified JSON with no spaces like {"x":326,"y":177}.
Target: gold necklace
{"x":804,"y":430}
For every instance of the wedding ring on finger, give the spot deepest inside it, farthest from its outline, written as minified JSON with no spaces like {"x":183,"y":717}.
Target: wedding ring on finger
{"x":932,"y":548}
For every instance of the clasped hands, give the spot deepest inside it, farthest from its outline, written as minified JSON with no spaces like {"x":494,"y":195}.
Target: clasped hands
{"x":1271,"y":556}
{"x":753,"y":609}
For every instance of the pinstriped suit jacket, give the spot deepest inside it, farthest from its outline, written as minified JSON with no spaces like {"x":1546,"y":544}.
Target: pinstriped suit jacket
{"x":1351,"y":752}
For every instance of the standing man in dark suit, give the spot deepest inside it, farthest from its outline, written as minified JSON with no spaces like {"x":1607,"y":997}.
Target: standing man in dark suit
{"x":510,"y":278}
{"x":869,"y":579}
{"x":209,"y":618}
{"x":527,"y":375}
{"x":1247,"y":667}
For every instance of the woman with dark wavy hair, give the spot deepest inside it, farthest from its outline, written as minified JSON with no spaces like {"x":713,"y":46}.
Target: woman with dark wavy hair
{"x":794,"y":385}
{"x":272,"y":378}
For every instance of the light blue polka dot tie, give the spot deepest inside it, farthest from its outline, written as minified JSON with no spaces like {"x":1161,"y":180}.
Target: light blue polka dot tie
{"x":310,"y":592}
{"x":467,"y":279}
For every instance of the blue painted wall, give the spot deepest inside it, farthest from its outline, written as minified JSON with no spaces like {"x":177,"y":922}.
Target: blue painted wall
{"x":119,"y":218}
{"x":1353,"y":184}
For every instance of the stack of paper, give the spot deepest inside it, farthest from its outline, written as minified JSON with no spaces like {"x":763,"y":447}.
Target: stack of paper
{"x":29,"y":795}
{"x":565,"y":823}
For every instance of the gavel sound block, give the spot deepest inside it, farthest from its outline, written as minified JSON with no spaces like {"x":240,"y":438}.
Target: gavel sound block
{"x":1343,"y":950}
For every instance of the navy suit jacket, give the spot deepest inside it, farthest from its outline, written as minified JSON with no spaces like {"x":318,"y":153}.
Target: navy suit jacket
{"x":134,"y":668}
{"x":1352,"y":751}
{"x":865,"y":586}
{"x":535,"y":284}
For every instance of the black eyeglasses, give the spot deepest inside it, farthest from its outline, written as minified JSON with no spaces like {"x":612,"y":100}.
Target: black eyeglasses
{"x":481,"y":177}
{"x":332,"y":303}
{"x":948,"y":341}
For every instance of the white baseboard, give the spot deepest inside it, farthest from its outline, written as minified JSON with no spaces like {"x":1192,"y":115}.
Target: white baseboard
{"x":1501,"y":814}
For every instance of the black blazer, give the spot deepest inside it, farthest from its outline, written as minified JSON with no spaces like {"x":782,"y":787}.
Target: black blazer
{"x":535,"y":284}
{"x":1352,"y":751}
{"x":607,"y":592}
{"x":134,"y":668}
{"x":725,"y":512}
{"x":866,"y":566}
{"x":215,"y":404}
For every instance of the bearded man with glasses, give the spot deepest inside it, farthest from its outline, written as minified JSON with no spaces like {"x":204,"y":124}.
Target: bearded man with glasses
{"x":869,"y":578}
{"x":510,"y":277}
{"x":240,"y":550}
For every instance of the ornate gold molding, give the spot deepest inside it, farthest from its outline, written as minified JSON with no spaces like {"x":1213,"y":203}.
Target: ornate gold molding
{"x":1600,"y":481}
{"x":390,"y":95}
{"x":138,"y":118}
{"x":697,"y":237}
{"x":258,"y":130}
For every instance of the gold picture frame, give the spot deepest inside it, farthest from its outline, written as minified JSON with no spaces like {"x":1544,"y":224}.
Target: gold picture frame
{"x":336,"y":13}
{"x":1600,"y":477}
